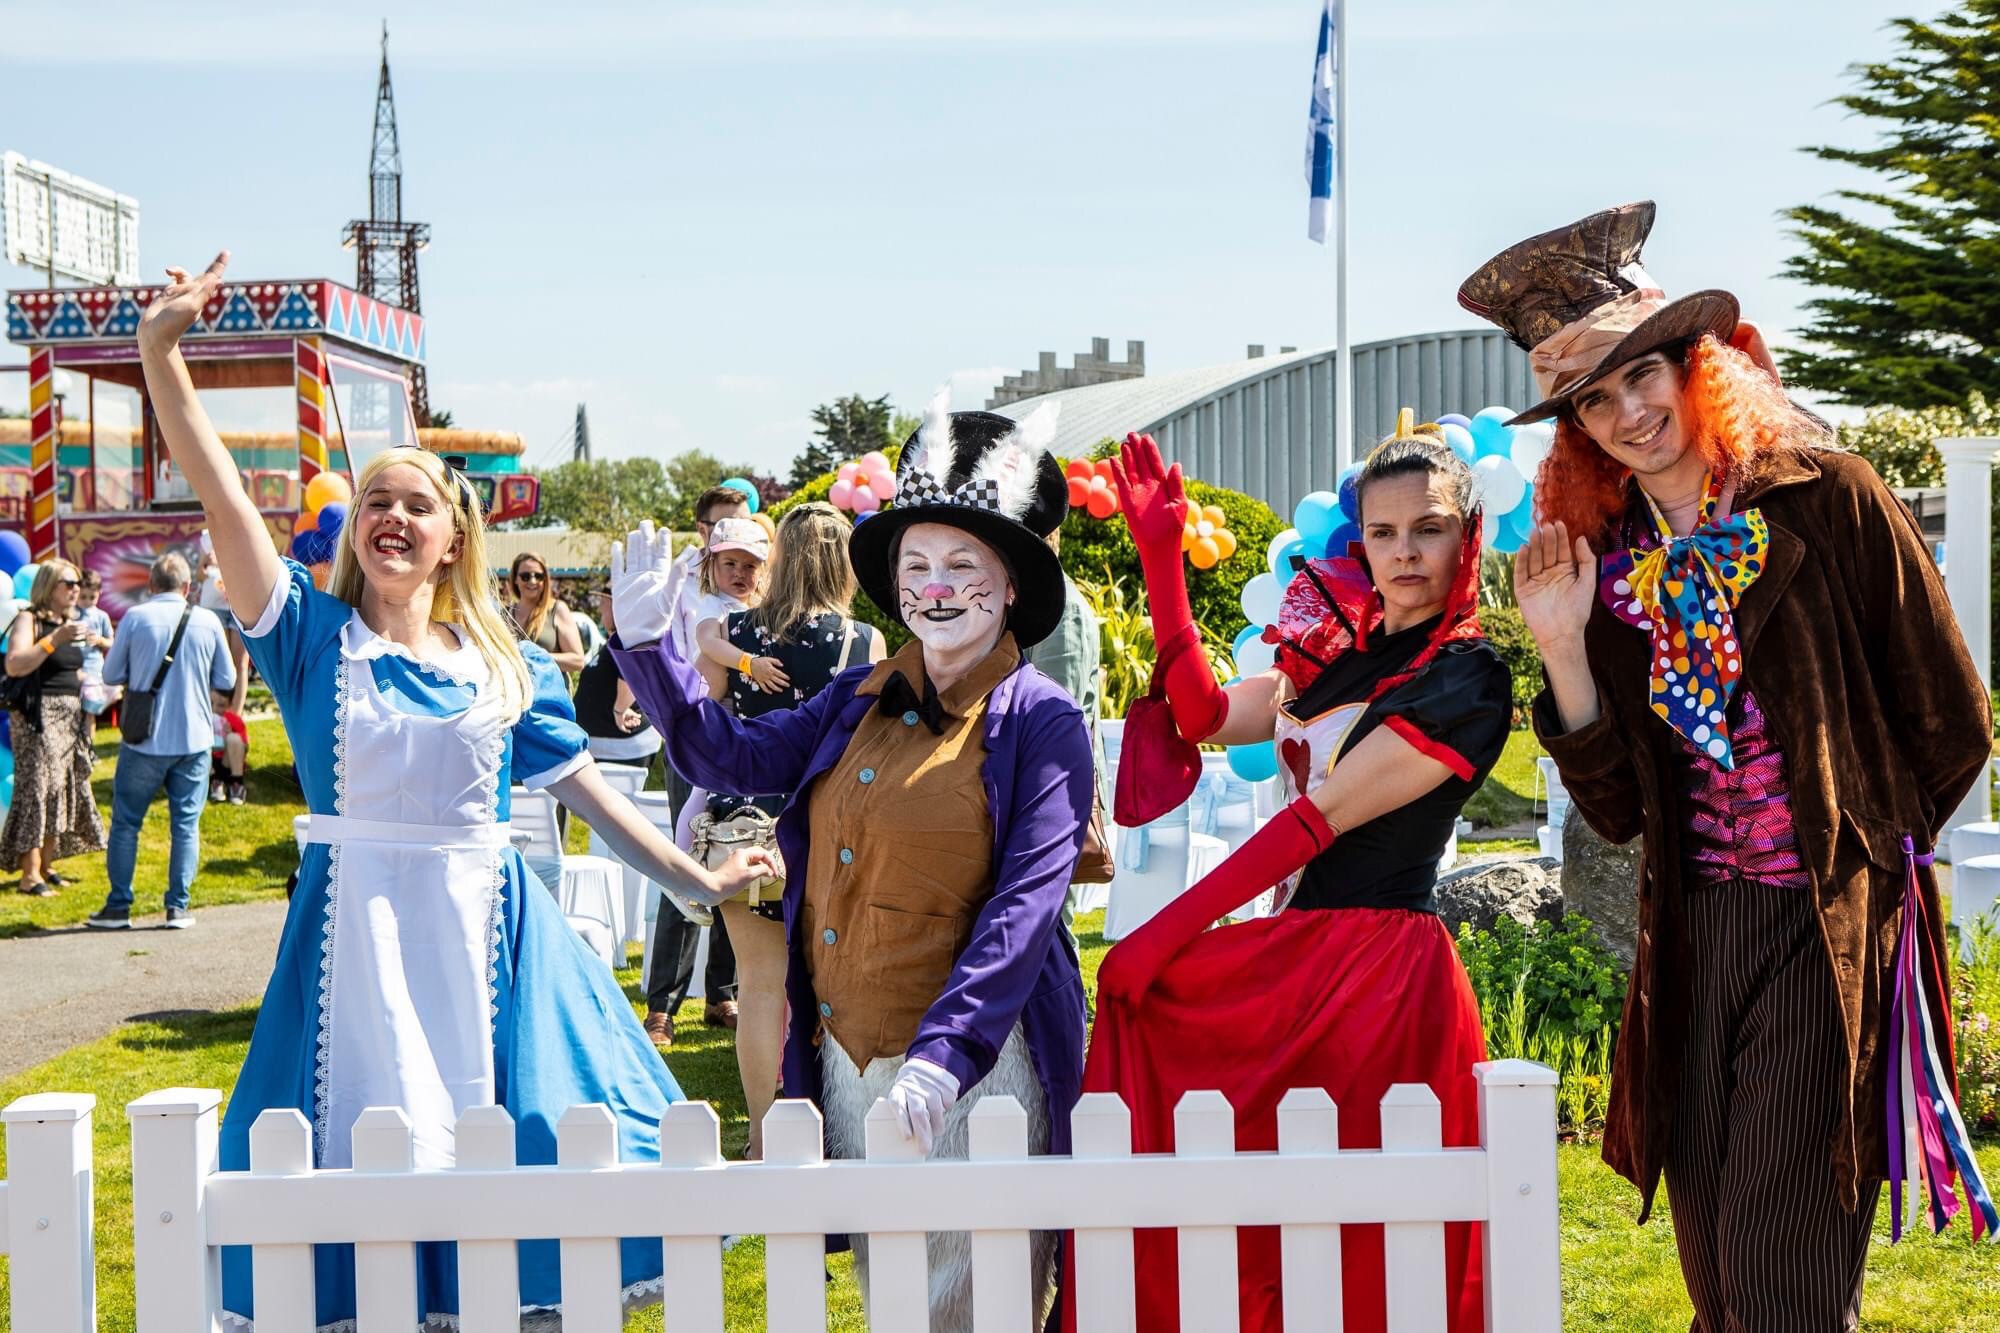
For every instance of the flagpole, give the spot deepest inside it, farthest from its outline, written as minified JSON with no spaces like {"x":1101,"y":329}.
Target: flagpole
{"x":1343,"y":384}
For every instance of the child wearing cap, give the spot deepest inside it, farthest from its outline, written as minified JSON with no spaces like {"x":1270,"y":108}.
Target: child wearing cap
{"x":732,"y":575}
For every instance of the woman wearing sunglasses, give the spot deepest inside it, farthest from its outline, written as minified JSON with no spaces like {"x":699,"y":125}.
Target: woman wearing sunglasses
{"x":53,"y":814}
{"x":541,"y":617}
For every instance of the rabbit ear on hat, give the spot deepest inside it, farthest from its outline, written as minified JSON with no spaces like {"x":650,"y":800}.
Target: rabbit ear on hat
{"x":931,"y":454}
{"x":1013,"y":466}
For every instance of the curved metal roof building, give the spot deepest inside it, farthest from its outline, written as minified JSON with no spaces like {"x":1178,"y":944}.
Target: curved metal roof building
{"x":1265,"y":426}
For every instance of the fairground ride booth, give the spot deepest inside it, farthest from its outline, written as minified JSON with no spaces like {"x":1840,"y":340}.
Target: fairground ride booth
{"x":91,"y":481}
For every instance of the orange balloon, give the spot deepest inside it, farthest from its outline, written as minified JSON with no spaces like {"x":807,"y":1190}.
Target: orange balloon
{"x":1225,"y":541}
{"x":1079,"y":492}
{"x":1204,"y":553}
{"x":1103,"y":468}
{"x":1078,"y":467}
{"x":1214,"y":514}
{"x":326,"y":488}
{"x":321,"y":572}
{"x":1189,"y":536}
{"x":307,"y":522}
{"x":1103,"y":504}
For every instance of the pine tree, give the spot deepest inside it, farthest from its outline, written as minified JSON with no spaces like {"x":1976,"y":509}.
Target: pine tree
{"x":848,"y":428}
{"x":1910,"y":315}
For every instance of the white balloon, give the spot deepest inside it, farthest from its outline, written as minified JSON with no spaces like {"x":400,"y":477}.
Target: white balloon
{"x":1489,"y":527}
{"x":1501,"y":483}
{"x":1278,"y":544}
{"x":1531,"y":445}
{"x":1256,"y":657}
{"x":1260,"y":599}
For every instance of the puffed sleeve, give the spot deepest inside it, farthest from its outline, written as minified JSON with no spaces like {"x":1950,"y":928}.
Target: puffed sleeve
{"x":1456,"y":710}
{"x":295,"y":626}
{"x":548,"y":743}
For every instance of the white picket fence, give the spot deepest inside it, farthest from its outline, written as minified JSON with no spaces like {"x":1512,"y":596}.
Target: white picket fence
{"x":46,"y":1213}
{"x":184,"y":1209}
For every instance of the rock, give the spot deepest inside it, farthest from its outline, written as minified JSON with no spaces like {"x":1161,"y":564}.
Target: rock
{"x":1601,"y":882}
{"x":1525,"y":888}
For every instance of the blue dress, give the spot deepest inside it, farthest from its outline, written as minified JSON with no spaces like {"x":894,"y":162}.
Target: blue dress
{"x":422,"y":964}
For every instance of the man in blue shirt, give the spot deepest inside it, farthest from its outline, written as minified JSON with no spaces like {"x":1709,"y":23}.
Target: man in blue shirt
{"x":176,"y":754}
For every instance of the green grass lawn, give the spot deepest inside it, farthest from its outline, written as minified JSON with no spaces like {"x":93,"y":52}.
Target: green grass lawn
{"x":246,"y":850}
{"x":1616,"y":1275}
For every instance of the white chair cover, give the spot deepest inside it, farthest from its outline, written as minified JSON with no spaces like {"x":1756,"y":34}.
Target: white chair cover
{"x":593,"y":903}
{"x":628,"y":780}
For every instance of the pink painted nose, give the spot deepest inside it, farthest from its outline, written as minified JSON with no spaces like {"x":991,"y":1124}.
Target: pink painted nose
{"x":938,"y":591}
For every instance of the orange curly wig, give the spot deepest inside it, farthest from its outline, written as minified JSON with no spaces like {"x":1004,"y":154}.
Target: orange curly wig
{"x":1736,"y":414}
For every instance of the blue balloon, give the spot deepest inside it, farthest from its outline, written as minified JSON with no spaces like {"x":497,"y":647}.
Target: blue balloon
{"x":24,"y":581}
{"x":1455,"y":419}
{"x":1460,"y":440}
{"x":1247,"y":633}
{"x":1316,"y":517}
{"x":859,"y":519}
{"x":1336,"y":544}
{"x":749,"y":489}
{"x":1283,"y":570}
{"x":1490,"y":433}
{"x":1511,"y":533}
{"x":13,"y":551}
{"x":331,"y":515}
{"x":1254,"y":763}
{"x":1349,"y":502}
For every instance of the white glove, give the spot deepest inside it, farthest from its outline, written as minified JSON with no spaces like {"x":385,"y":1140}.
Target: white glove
{"x":641,"y":575}
{"x":922,"y":1093}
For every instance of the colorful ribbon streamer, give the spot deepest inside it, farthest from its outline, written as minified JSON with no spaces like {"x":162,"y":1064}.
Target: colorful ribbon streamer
{"x":1927,"y":1140}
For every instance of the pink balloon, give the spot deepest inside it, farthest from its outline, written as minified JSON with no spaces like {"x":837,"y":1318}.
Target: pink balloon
{"x":842,"y":494}
{"x":882,"y":483}
{"x":848,"y":471}
{"x":875,"y":461}
{"x":864,"y":500}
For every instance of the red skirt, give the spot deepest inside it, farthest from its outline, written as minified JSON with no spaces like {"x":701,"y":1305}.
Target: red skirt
{"x":1351,"y":1000}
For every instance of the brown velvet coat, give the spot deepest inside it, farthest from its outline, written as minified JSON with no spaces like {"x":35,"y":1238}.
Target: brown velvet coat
{"x":1854,"y":655}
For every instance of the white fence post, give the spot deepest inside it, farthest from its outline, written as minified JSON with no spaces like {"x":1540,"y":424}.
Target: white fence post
{"x":1523,"y":1275}
{"x":587,"y":1140}
{"x":794,"y":1265}
{"x":1100,"y":1128}
{"x":176,"y":1276}
{"x":489,"y":1271}
{"x":1309,"y":1123}
{"x":691,"y":1136}
{"x":281,"y":1276}
{"x":1413,"y":1252}
{"x":899,"y":1299}
{"x":1002,"y":1279}
{"x":1205,"y":1126}
{"x":1968,"y":580}
{"x":385,"y":1272}
{"x":50,"y":1212}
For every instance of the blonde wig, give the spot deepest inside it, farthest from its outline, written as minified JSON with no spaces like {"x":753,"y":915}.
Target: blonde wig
{"x":460,"y":590}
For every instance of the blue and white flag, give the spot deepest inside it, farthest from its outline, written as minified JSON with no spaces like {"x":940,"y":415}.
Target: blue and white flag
{"x":1319,"y":127}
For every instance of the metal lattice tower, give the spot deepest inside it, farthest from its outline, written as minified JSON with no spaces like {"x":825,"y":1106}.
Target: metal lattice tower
{"x":385,"y":247}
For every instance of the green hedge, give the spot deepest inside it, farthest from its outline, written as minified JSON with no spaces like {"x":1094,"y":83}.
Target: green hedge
{"x":1508,"y":634}
{"x":1090,"y":544}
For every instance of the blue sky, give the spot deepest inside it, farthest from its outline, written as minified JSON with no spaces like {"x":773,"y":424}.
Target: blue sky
{"x":703,"y":219}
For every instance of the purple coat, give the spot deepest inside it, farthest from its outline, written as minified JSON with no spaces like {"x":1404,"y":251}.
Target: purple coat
{"x":1019,"y":964}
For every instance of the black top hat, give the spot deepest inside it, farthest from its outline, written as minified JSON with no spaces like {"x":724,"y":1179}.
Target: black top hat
{"x":1577,"y":299}
{"x":995,"y":479}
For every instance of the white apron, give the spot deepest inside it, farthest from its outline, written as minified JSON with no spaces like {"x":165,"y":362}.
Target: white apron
{"x":407,"y":968}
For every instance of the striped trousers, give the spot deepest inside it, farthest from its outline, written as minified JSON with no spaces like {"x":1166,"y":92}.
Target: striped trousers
{"x":1765,"y":1245}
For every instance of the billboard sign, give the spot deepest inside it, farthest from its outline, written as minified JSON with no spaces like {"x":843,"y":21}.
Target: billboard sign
{"x":66,"y":225}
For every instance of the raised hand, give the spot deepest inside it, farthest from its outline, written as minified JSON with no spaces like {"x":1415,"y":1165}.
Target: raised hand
{"x":641,"y":568}
{"x":1150,"y":495}
{"x":176,"y":309}
{"x":1555,"y":585}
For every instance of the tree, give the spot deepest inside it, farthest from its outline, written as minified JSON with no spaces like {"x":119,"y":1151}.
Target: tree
{"x":848,"y":428}
{"x":1911,"y":314}
{"x":604,"y":496}
{"x":441,"y":419}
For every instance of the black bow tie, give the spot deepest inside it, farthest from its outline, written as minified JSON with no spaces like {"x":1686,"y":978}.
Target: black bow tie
{"x":900,"y":697}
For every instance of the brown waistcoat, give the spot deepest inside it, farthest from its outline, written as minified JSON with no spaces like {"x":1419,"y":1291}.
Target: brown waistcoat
{"x":1865,"y":681}
{"x":901,"y":860}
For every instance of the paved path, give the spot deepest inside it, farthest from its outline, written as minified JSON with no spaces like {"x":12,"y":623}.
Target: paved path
{"x":72,"y":985}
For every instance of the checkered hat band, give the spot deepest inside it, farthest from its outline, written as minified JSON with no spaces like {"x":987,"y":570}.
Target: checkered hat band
{"x":923,"y":489}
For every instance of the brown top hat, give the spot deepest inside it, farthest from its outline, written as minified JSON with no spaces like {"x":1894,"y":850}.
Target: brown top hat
{"x":1578,"y":301}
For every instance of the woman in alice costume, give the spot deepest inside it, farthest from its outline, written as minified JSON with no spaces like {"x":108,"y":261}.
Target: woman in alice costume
{"x":422,"y":966}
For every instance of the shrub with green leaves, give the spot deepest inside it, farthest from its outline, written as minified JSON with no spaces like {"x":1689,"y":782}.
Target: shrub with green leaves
{"x":1570,"y":984}
{"x":1508,"y":634}
{"x":1975,"y":1010}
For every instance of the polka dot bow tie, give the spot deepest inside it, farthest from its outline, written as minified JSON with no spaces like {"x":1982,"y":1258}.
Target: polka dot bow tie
{"x":1683,"y":592}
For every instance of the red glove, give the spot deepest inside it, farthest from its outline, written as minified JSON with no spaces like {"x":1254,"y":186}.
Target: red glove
{"x":1156,"y":510}
{"x":1294,"y":836}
